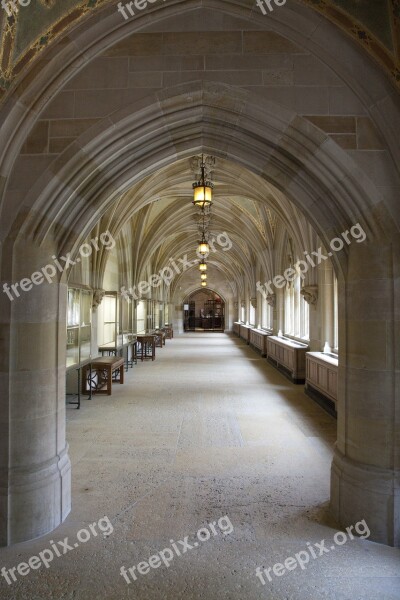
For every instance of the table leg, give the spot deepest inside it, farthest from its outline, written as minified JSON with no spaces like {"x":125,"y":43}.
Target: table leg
{"x":90,"y":384}
{"x":134,"y":355}
{"x":79,"y":388}
{"x":84,"y":378}
{"x":109,"y":380}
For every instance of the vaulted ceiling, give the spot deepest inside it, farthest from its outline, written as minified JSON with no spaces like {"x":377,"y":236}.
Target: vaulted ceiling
{"x":249,"y":213}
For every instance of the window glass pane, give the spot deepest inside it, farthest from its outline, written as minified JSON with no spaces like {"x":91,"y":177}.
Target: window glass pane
{"x":335,"y":314}
{"x":252,"y":315}
{"x":297,"y":311}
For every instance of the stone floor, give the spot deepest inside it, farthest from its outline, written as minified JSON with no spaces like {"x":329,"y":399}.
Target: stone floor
{"x":208,"y":430}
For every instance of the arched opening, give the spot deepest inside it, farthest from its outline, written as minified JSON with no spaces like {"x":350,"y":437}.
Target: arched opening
{"x":113,"y":174}
{"x":315,"y":201}
{"x":204,"y":310}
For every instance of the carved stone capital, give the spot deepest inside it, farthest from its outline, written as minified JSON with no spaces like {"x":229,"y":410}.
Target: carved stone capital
{"x":253,"y":302}
{"x":271,"y":300}
{"x":310,"y":294}
{"x":98,"y":296}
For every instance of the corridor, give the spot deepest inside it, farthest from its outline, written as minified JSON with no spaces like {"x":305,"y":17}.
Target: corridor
{"x":208,"y":430}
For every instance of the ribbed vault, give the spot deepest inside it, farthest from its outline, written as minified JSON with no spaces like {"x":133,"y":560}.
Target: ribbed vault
{"x":247,"y":208}
{"x":276,"y":146}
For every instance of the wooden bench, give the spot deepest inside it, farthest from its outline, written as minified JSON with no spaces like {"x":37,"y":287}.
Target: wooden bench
{"x":99,"y":374}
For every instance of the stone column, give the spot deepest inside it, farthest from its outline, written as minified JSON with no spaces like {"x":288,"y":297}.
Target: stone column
{"x":35,"y":485}
{"x":271,"y":302}
{"x":236,"y":311}
{"x":279,"y":311}
{"x":98,"y":295}
{"x":247,"y":307}
{"x":365,"y":481}
{"x":256,"y":306}
{"x":178,"y":318}
{"x":311,"y":296}
{"x":259,"y":312}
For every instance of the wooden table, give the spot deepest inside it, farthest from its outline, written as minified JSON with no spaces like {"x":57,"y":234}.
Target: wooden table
{"x":104,"y":368}
{"x":169,"y":332}
{"x":159,"y":334}
{"x":147,"y":346}
{"x":111,"y":349}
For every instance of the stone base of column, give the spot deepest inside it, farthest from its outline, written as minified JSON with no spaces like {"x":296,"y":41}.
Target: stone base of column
{"x":39,"y":499}
{"x":360,"y":491}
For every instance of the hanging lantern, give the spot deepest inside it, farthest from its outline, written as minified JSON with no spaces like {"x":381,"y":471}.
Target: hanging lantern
{"x":203,"y":283}
{"x":203,"y":276}
{"x":203,"y":266}
{"x":202,"y":190}
{"x":203,"y":247}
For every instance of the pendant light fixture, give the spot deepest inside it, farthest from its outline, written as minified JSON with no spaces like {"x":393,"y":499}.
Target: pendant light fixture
{"x":203,"y":276}
{"x":202,"y":190}
{"x":203,"y":266}
{"x":203,"y":247}
{"x":203,"y":283}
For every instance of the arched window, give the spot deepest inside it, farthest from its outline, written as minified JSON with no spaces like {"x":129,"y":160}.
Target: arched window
{"x":297,"y":311}
{"x":252,"y":320}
